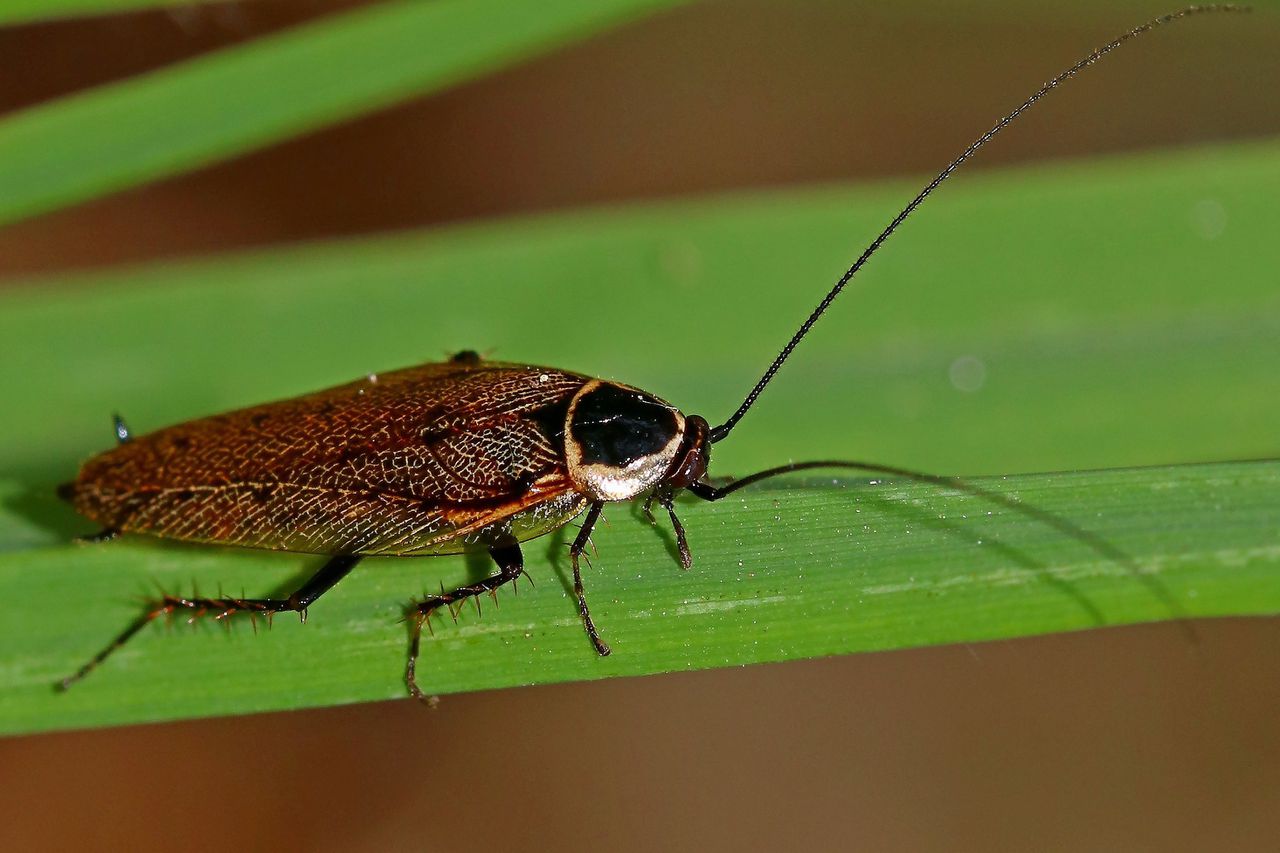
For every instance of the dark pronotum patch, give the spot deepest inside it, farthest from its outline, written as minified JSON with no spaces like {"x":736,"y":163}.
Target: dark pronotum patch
{"x":550,"y":420}
{"x":615,"y":425}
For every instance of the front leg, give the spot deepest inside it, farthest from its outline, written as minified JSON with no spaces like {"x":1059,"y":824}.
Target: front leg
{"x":510,"y":566}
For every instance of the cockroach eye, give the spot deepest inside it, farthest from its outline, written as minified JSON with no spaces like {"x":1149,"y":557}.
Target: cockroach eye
{"x":690,"y":464}
{"x":620,"y":441}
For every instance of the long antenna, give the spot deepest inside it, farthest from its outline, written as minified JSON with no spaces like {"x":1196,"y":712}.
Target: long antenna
{"x":723,"y":430}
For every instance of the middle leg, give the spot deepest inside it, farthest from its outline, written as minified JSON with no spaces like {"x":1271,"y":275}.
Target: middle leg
{"x":510,"y":567}
{"x":577,"y":550}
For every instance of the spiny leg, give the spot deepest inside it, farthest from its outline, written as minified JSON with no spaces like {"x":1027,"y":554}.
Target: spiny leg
{"x":317,"y":585}
{"x":510,"y":566}
{"x":575,"y":551}
{"x":682,"y":543}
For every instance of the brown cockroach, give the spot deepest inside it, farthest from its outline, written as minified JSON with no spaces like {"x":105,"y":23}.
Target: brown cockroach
{"x":465,"y":455}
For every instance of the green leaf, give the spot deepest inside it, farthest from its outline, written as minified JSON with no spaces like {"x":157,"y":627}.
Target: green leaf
{"x":247,"y":96}
{"x":786,"y":571}
{"x":22,"y":11}
{"x":1121,"y":313}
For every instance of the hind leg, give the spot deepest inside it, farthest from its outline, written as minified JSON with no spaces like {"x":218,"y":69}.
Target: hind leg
{"x":510,"y":566}
{"x":317,"y":585}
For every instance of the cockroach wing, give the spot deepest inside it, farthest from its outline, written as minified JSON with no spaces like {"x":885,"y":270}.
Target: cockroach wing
{"x":437,"y":459}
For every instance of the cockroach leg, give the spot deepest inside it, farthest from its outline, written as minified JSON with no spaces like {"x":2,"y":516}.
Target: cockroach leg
{"x":104,"y":535}
{"x":319,"y":583}
{"x":647,"y":509}
{"x":575,"y":552}
{"x":668,"y":503}
{"x":121,"y":429}
{"x":510,"y":566}
{"x":682,"y":543}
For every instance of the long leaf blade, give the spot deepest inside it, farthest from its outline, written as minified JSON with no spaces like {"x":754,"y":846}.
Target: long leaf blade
{"x":243,"y":97}
{"x":25,"y":11}
{"x":795,"y":570}
{"x":1110,"y":329}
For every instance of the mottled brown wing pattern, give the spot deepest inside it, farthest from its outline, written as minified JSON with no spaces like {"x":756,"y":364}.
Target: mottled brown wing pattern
{"x":434,"y":459}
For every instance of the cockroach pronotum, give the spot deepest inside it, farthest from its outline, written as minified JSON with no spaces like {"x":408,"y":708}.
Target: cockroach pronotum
{"x":460,"y":456}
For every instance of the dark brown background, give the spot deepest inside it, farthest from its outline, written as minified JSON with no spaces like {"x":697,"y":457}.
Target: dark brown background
{"x":1111,"y":740}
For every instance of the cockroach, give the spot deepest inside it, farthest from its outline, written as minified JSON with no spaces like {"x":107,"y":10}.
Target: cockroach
{"x":460,"y":456}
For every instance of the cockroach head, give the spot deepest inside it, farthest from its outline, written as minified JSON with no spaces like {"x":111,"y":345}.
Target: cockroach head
{"x":620,"y":442}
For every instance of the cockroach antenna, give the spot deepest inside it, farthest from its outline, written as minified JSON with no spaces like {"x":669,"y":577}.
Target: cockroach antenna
{"x":725,"y":428}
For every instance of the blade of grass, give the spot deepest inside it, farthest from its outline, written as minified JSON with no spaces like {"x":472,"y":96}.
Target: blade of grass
{"x":24,"y":11}
{"x":234,"y":100}
{"x":1113,"y":327}
{"x":793,"y":570}
{"x":1110,"y":327}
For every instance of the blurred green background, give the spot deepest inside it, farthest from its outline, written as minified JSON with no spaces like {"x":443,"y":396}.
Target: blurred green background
{"x":1124,"y":312}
